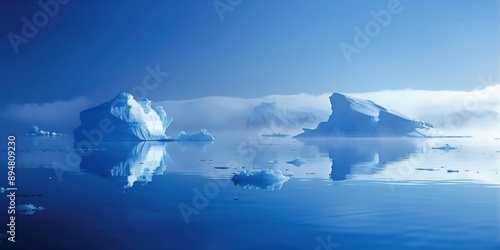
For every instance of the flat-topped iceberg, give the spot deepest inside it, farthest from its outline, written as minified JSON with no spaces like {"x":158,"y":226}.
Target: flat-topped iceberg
{"x":124,"y":118}
{"x":353,"y":117}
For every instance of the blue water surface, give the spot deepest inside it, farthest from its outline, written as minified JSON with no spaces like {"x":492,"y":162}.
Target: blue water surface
{"x":349,"y":194}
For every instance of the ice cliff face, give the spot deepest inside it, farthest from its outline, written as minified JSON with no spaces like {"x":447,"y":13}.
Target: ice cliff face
{"x":124,"y":118}
{"x":352,"y":117}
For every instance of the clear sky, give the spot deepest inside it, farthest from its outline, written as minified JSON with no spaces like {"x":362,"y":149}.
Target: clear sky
{"x":98,"y":48}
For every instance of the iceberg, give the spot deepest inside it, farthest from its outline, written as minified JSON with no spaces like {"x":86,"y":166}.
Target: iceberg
{"x":124,"y":118}
{"x":36,"y":131}
{"x":266,"y":179}
{"x":353,"y":117}
{"x":202,"y":135}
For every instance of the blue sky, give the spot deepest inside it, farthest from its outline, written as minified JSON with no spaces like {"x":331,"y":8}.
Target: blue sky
{"x":98,"y":48}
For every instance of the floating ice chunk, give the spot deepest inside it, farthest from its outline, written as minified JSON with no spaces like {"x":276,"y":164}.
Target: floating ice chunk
{"x":445,"y":147}
{"x":297,"y":162}
{"x":36,"y":131}
{"x":2,"y":190}
{"x":266,"y":179}
{"x":28,"y":209}
{"x":202,"y":135}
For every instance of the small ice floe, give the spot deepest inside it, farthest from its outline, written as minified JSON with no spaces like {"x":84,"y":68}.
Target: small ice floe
{"x":445,"y":147}
{"x":28,"y":209}
{"x":2,"y":190}
{"x":266,"y":179}
{"x":273,"y":162}
{"x":36,"y":131}
{"x":202,"y":135}
{"x":297,"y":162}
{"x":427,"y":169}
{"x":452,"y":171}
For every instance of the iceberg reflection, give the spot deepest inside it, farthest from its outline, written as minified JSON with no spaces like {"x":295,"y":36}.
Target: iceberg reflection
{"x":351,"y":157}
{"x":129,"y":162}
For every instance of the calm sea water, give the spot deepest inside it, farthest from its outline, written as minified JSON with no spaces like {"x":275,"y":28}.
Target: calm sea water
{"x":349,"y":194}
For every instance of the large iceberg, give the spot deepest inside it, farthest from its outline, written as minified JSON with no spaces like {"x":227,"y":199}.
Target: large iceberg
{"x":353,"y":117}
{"x":124,"y":118}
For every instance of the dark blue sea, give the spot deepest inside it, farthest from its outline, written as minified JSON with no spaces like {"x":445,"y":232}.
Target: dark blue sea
{"x":349,"y":194}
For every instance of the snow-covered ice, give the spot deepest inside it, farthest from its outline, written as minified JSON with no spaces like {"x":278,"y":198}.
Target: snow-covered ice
{"x":124,"y":118}
{"x":296,"y":162}
{"x":36,"y":131}
{"x":202,"y":135}
{"x":353,"y":117}
{"x":266,"y":179}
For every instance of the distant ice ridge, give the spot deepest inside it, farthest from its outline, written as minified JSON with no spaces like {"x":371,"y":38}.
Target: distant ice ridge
{"x":124,"y":118}
{"x":202,"y":135}
{"x":266,"y":179}
{"x":36,"y":131}
{"x":270,"y":114}
{"x":353,"y":117}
